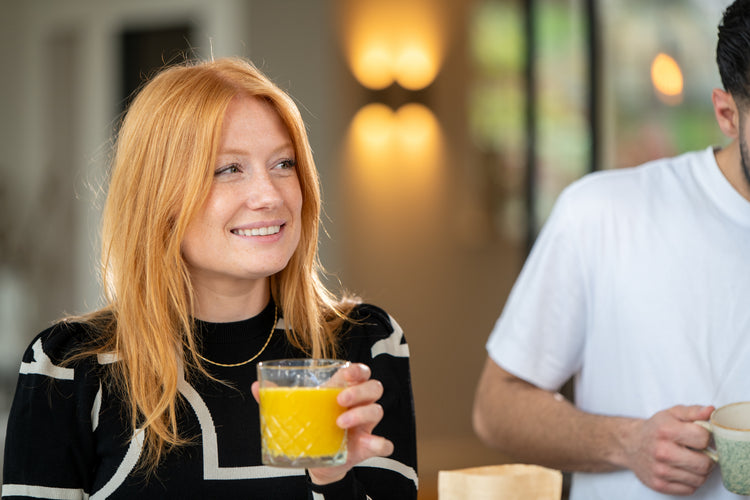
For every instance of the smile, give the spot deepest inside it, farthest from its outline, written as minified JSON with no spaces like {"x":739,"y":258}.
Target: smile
{"x":257,"y":231}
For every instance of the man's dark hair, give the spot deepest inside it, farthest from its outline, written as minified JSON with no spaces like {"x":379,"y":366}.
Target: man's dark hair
{"x":733,"y":50}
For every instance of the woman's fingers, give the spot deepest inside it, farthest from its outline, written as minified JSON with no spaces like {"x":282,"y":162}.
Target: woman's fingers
{"x":362,"y":413}
{"x":375,"y":446}
{"x":351,"y":374}
{"x":364,"y":417}
{"x":363,"y":393}
{"x":255,"y":389}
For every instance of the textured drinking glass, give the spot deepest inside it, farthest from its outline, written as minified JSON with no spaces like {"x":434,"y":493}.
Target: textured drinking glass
{"x":298,"y":412}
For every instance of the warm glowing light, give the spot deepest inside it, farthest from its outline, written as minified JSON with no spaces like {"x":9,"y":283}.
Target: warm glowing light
{"x":389,"y":41}
{"x":373,"y":127}
{"x":666,"y":76}
{"x":381,"y":138}
{"x":417,"y":128}
{"x":415,"y":68}
{"x":395,"y":177}
{"x":373,"y":67}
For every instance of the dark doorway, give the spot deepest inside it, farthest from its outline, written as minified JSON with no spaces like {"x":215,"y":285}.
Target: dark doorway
{"x":145,"y":51}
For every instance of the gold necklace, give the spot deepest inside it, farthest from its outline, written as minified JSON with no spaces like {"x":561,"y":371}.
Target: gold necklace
{"x":232,"y":365}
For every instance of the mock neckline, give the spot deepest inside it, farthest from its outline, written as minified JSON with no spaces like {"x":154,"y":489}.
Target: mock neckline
{"x":237,"y":331}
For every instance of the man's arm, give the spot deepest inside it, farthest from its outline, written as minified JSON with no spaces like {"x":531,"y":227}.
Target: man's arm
{"x":533,"y":425}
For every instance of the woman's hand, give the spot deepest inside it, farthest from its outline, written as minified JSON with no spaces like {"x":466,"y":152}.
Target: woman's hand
{"x":360,"y":418}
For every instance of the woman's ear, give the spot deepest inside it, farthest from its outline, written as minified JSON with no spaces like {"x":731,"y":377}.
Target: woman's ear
{"x":726,"y":112}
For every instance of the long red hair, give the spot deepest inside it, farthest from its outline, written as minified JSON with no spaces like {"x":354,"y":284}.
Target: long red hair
{"x":161,"y":176}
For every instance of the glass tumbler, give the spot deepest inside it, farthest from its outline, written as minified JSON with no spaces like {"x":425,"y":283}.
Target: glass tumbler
{"x":298,"y":412}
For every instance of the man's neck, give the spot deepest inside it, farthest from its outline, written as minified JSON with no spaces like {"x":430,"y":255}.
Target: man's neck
{"x":730,"y":164}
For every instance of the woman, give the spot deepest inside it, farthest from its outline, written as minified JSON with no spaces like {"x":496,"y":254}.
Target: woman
{"x":209,"y":266}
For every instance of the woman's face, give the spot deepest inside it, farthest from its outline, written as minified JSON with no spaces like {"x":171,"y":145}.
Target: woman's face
{"x":249,"y":227}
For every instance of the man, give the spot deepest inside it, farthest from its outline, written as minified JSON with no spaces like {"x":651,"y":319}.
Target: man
{"x":639,"y":288}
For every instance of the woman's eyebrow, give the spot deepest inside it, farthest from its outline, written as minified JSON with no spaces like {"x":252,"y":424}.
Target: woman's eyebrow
{"x":238,"y":151}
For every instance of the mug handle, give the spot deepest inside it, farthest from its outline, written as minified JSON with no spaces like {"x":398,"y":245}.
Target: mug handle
{"x":710,"y":452}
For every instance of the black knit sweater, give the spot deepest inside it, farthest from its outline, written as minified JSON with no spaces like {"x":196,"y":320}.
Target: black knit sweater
{"x":69,"y":436}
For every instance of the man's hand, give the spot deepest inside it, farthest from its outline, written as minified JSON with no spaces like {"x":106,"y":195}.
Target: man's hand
{"x":664,"y":451}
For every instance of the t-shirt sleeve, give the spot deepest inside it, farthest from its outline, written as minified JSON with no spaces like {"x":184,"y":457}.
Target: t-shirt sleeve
{"x":378,"y":341}
{"x":539,"y":336}
{"x":49,"y":446}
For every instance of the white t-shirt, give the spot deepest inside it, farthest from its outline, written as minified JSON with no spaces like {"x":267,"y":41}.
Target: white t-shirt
{"x":639,"y":286}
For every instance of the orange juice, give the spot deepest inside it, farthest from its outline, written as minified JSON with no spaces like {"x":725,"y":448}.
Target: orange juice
{"x":298,"y":423}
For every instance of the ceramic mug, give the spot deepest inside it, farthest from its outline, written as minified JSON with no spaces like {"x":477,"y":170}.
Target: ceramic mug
{"x":730,"y":427}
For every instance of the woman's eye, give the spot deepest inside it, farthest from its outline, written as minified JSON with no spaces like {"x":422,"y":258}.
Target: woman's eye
{"x":287,"y":164}
{"x":228,"y":169}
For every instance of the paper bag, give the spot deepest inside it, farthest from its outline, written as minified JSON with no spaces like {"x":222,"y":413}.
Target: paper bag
{"x":500,"y":482}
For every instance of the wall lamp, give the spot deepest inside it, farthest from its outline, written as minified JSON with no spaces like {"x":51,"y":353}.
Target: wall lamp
{"x":394,"y":49}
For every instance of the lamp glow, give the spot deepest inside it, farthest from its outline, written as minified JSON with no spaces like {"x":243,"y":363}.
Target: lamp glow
{"x":666,"y":76}
{"x":373,"y":66}
{"x":415,"y":67}
{"x":381,"y":137}
{"x":389,"y":41}
{"x":373,"y":127}
{"x":418,"y":129}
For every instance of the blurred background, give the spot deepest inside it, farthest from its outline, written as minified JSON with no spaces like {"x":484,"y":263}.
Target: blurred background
{"x":443,"y":131}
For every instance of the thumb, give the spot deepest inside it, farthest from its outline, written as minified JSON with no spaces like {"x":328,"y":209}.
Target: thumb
{"x":692,"y":413}
{"x":255,"y":389}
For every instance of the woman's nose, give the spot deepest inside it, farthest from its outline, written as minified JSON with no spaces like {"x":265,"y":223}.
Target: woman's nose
{"x":262,"y":192}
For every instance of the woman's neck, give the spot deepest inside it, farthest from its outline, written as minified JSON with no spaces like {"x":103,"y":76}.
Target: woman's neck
{"x":225,"y":304}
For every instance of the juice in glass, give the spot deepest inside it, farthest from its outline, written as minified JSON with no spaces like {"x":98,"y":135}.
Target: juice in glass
{"x":298,"y":412}
{"x":299,"y":423}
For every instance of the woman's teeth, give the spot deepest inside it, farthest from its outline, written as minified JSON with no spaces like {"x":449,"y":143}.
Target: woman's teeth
{"x":258,"y":231}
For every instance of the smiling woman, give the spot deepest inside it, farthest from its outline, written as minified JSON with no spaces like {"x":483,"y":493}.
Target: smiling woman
{"x":249,"y":226}
{"x":210,"y":265}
